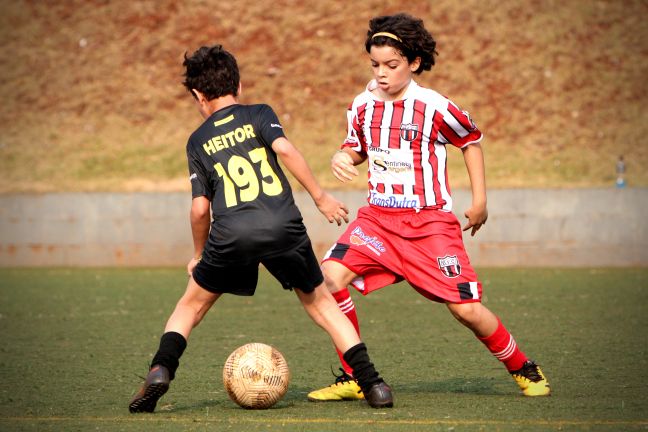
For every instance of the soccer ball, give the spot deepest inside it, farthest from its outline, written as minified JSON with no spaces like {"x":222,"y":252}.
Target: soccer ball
{"x":256,"y":376}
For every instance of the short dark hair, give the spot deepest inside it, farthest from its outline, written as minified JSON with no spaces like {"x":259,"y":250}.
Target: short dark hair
{"x":415,"y":40}
{"x":212,"y":71}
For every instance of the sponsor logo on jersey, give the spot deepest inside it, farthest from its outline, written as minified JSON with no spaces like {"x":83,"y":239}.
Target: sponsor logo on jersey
{"x":193,"y":176}
{"x":409,"y":131}
{"x":393,"y":201}
{"x":359,"y":238}
{"x":450,"y":266}
{"x":380,"y":164}
{"x":275,"y":125}
{"x":378,"y":150}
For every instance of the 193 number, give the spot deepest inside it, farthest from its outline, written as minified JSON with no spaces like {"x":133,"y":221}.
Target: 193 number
{"x":240,"y":176}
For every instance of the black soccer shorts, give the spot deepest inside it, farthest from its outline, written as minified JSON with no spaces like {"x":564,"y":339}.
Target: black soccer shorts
{"x":297,"y":268}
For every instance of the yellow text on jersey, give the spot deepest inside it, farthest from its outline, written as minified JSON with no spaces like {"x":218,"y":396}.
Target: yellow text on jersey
{"x":229,"y":139}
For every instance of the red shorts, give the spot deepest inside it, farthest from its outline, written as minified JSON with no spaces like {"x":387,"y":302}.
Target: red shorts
{"x":385,"y":246}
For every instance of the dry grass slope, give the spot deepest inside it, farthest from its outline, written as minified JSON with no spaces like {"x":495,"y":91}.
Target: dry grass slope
{"x":92,"y":99}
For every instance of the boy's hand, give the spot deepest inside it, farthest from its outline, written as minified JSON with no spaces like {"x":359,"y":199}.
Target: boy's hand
{"x":332,"y":209}
{"x":192,"y":265}
{"x":342,"y":167}
{"x":477,"y":215}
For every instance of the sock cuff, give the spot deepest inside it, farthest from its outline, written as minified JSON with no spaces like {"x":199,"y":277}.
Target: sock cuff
{"x":172,"y":345}
{"x":504,"y":348}
{"x":497,"y":333}
{"x":363,"y":370}
{"x":341,"y":295}
{"x":351,"y":353}
{"x":175,"y":338}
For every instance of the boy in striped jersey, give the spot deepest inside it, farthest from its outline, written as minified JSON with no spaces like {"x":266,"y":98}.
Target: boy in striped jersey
{"x":408,"y":231}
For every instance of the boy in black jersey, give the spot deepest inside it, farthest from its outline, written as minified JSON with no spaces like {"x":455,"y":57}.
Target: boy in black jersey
{"x":234,"y":171}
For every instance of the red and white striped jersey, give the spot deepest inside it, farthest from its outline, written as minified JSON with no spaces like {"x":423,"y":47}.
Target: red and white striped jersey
{"x":404,"y":142}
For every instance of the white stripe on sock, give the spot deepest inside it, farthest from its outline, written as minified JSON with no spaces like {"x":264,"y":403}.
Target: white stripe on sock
{"x":508,"y":351}
{"x":347,"y":305}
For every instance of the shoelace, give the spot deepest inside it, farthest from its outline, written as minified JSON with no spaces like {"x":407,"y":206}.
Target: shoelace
{"x":342,"y":378}
{"x":530,"y":372}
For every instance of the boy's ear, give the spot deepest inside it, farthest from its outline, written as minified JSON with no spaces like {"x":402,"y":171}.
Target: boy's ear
{"x":199,"y":96}
{"x":415,"y":64}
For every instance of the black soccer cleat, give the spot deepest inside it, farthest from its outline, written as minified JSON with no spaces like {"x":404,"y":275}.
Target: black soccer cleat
{"x":379,"y":395}
{"x":156,"y":384}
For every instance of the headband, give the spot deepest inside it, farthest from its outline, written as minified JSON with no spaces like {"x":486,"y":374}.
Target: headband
{"x":387,"y":34}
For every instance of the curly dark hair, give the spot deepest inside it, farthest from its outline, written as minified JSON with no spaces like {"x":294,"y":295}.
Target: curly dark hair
{"x":415,"y":40}
{"x":212,"y":71}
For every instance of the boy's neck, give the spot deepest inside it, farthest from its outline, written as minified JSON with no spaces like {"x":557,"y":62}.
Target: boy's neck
{"x":220,"y":103}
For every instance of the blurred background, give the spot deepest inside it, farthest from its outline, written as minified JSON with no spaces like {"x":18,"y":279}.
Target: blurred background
{"x":94,"y":202}
{"x":92,"y":97}
{"x":94,"y":119}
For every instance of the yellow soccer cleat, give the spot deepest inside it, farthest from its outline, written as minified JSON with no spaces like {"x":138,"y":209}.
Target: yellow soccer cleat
{"x":345,"y":388}
{"x":531,"y":380}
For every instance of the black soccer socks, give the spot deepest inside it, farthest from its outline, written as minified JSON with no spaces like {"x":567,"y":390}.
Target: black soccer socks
{"x":172,"y":345}
{"x":363,"y":370}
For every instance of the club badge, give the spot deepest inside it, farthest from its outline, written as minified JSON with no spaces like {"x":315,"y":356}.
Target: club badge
{"x":450,"y":266}
{"x":409,"y":132}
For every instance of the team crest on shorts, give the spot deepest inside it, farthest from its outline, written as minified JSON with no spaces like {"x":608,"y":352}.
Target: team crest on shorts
{"x":450,"y":266}
{"x":409,"y":131}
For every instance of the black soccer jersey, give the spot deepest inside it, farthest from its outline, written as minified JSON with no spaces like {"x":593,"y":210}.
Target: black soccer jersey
{"x":231,"y":162}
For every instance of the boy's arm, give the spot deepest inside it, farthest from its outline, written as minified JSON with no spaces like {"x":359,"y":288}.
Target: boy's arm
{"x":200,"y":219}
{"x":477,"y":213}
{"x":293,"y":160}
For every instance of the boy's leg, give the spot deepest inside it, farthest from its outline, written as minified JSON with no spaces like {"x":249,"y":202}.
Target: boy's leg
{"x":488,"y":328}
{"x":323,"y":309}
{"x":189,"y":311}
{"x":337,"y":277}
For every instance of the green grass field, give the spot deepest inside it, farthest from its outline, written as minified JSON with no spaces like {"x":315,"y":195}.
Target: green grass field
{"x":74,"y":342}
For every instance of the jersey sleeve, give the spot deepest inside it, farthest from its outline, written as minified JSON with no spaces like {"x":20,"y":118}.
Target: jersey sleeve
{"x":269,"y":126}
{"x":355,"y":137}
{"x":200,"y":185}
{"x":457,"y":128}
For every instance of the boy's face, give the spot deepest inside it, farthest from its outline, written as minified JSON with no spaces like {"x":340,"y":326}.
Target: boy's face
{"x":391,"y":70}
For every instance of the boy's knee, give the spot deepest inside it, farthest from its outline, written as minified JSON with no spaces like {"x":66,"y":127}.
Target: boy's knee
{"x":336,"y":276}
{"x":199,"y":304}
{"x":468,"y":314}
{"x":333,"y":285}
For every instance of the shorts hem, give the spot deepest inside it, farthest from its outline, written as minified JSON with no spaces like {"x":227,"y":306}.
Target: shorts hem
{"x":212,"y":290}
{"x":462,"y":301}
{"x":347,"y":265}
{"x":312,"y":287}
